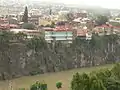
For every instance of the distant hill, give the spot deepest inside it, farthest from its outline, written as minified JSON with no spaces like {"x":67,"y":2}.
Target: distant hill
{"x":20,"y":4}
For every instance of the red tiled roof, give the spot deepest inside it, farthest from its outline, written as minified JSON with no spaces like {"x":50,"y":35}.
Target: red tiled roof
{"x":4,"y":26}
{"x":13,"y":26}
{"x":108,"y":26}
{"x":59,"y":28}
{"x":3,"y":19}
{"x":104,"y":26}
{"x":48,"y":29}
{"x":63,"y":28}
{"x":81,"y":32}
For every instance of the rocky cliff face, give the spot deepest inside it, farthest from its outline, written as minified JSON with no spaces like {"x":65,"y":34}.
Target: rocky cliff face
{"x":18,"y":60}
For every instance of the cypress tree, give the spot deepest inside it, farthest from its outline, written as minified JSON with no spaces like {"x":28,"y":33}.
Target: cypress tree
{"x":25,"y":16}
{"x":50,"y":12}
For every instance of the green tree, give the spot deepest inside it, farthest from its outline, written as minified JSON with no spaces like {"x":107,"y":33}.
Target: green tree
{"x":28,"y":26}
{"x":59,"y":85}
{"x":80,"y":82}
{"x":69,"y":17}
{"x":39,"y":86}
{"x":50,"y":11}
{"x":37,"y":44}
{"x":20,"y":36}
{"x":52,"y":25}
{"x":103,"y":79}
{"x":96,"y":83}
{"x":113,"y":84}
{"x":116,"y":71}
{"x":75,"y":84}
{"x":101,"y":20}
{"x":25,"y":16}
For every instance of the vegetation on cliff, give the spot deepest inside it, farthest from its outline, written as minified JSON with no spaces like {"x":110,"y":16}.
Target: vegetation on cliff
{"x":20,"y":56}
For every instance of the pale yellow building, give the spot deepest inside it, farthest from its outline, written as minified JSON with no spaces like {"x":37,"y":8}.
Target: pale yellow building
{"x":44,"y":22}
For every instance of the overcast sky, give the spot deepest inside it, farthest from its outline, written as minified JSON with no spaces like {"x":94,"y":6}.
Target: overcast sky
{"x":103,"y":3}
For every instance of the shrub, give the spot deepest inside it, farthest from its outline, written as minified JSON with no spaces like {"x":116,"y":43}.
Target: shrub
{"x":43,"y":86}
{"x":116,"y":71}
{"x":95,"y":84}
{"x":113,"y":84}
{"x":59,"y":85}
{"x":35,"y":86}
{"x":103,"y":79}
{"x":77,"y":83}
{"x":39,"y":86}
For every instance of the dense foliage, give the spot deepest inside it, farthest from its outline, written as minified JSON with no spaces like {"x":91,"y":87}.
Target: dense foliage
{"x":37,"y":43}
{"x":103,"y":79}
{"x":28,"y":26}
{"x":23,"y":56}
{"x":101,"y":20}
{"x":39,"y":86}
{"x":59,"y":85}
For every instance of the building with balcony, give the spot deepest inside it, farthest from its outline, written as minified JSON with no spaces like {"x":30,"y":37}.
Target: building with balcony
{"x":64,"y":36}
{"x":62,"y":32}
{"x":29,"y":33}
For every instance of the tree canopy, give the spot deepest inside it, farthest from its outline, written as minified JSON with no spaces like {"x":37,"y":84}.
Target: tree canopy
{"x":25,"y":16}
{"x":28,"y":26}
{"x":101,"y":20}
{"x":103,"y":79}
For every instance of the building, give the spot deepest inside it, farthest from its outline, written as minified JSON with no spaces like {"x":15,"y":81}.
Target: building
{"x":20,"y":16}
{"x":5,"y":24}
{"x":62,"y":15}
{"x":45,"y":21}
{"x":65,"y":36}
{"x":35,"y":12}
{"x":104,"y":29}
{"x":82,"y":14}
{"x":34,"y":19}
{"x":84,"y":33}
{"x":62,"y":32}
{"x":4,"y":21}
{"x":29,"y":33}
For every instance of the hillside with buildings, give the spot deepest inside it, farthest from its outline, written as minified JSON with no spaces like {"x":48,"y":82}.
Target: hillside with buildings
{"x":39,"y":39}
{"x":56,"y":37}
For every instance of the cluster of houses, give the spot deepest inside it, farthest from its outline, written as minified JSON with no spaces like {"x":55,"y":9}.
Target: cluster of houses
{"x":64,"y":30}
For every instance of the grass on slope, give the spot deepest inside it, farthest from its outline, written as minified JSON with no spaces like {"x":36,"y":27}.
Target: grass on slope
{"x":49,"y":78}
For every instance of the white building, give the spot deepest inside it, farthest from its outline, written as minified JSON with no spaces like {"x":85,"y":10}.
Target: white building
{"x":58,"y":35}
{"x":29,"y":33}
{"x":35,"y":12}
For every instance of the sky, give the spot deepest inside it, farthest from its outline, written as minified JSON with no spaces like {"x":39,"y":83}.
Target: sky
{"x":102,"y":3}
